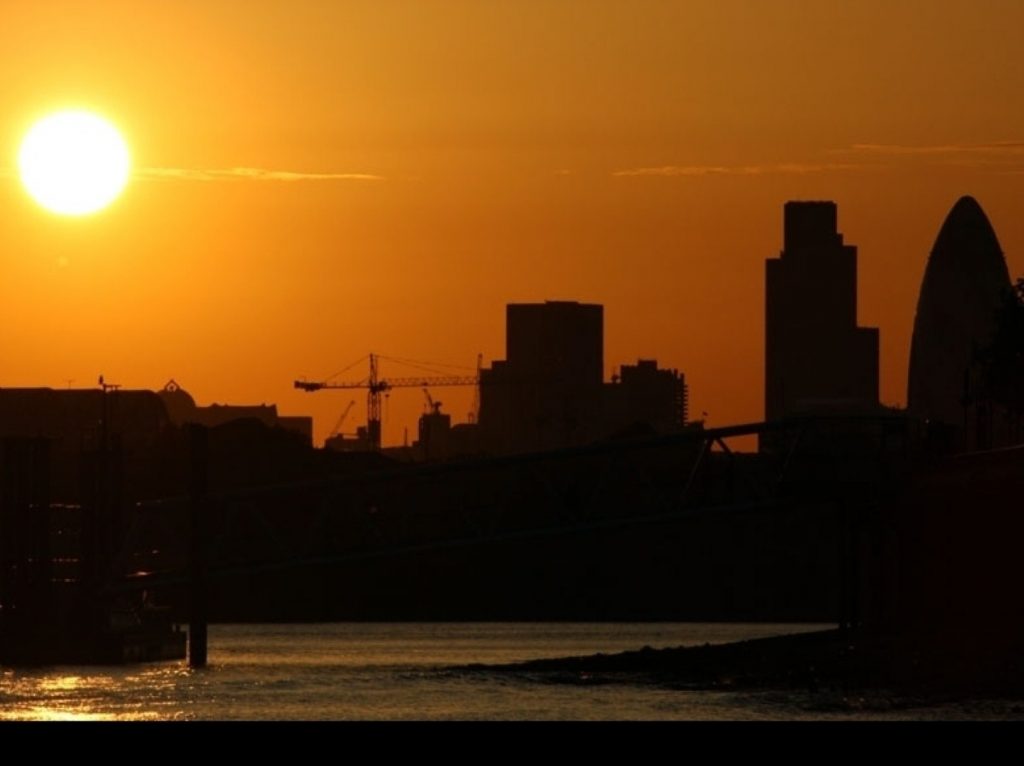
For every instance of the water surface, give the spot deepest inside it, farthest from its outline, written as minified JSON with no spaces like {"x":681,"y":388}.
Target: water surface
{"x":411,"y":671}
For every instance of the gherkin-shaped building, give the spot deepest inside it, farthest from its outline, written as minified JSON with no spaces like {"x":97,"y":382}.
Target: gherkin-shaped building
{"x":964,"y":285}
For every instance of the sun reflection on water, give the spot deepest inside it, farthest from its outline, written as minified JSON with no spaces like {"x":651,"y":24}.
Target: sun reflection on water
{"x":117,"y":694}
{"x":51,"y":714}
{"x":60,"y":683}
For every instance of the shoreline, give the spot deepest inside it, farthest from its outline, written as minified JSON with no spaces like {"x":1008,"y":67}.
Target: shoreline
{"x":827,"y":661}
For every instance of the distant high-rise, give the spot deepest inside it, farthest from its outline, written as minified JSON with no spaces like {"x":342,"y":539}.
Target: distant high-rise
{"x":964,"y":284}
{"x":816,"y":357}
{"x":547,"y":393}
{"x":643,"y":394}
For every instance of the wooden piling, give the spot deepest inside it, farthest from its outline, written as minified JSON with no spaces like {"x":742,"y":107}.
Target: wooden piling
{"x":198,"y":574}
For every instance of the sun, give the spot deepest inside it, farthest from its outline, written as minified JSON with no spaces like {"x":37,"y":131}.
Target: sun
{"x":74,"y":162}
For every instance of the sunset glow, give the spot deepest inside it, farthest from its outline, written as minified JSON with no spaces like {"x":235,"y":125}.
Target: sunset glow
{"x":356,"y":177}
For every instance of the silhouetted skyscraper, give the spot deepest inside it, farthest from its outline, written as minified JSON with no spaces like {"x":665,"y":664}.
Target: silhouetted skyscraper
{"x":964,"y":284}
{"x":556,"y":341}
{"x":816,"y":357}
{"x":547,"y":393}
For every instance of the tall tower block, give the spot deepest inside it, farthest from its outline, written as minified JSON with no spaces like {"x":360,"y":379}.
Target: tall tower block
{"x":816,"y":357}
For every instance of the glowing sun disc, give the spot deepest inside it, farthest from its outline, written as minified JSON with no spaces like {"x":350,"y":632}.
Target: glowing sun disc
{"x":73,"y":163}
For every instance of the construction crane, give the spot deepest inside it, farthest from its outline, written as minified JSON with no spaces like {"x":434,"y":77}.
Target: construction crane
{"x":376,"y":386}
{"x":474,"y":414}
{"x":432,"y":406}
{"x":341,"y":420}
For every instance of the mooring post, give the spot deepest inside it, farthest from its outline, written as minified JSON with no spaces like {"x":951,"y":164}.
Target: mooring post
{"x":198,"y":581}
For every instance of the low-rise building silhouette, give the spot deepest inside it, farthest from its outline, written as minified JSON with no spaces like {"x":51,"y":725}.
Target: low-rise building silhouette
{"x":182,"y":409}
{"x":644,"y":396}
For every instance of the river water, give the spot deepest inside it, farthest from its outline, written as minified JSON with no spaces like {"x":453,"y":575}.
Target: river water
{"x":411,"y":671}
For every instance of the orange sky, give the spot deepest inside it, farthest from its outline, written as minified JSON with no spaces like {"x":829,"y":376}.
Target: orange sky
{"x":633,"y":154}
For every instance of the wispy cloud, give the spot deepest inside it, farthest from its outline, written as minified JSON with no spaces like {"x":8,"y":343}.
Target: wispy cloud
{"x":992,"y":148}
{"x":249,"y":174}
{"x":785,"y":168}
{"x":994,"y":156}
{"x":1000,"y":157}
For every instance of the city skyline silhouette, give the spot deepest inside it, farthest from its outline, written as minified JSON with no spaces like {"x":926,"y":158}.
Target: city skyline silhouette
{"x":388,"y":186}
{"x":404,"y":360}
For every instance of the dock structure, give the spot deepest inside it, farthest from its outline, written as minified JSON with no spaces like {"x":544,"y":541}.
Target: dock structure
{"x":59,"y":567}
{"x":621,"y":525}
{"x":198,"y":565}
